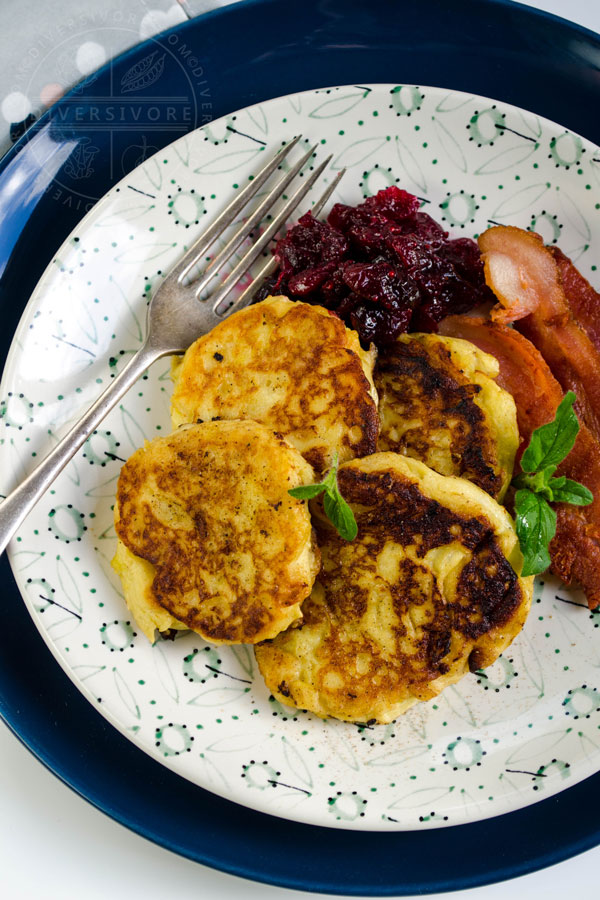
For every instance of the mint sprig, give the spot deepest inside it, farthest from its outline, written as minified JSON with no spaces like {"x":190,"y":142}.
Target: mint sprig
{"x":537,"y":487}
{"x":336,"y":509}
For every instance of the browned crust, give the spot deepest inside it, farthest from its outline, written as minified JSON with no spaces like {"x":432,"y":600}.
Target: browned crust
{"x":423,"y":383}
{"x":294,"y":367}
{"x":230,"y":564}
{"x":378,"y":643}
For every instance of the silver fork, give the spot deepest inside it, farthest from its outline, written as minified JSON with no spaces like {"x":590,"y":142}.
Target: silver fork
{"x":176,"y":316}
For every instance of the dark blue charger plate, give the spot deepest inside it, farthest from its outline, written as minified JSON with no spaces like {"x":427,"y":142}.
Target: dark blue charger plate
{"x":133,"y":106}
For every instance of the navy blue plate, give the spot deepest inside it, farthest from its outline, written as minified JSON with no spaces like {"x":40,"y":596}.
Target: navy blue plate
{"x":138,"y":103}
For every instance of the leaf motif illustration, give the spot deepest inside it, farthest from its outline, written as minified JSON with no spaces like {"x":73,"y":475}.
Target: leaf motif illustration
{"x":503,"y":713}
{"x":590,"y":748}
{"x":531,"y":664}
{"x":140,"y":68}
{"x":132,"y":323}
{"x":142,"y":252}
{"x":236,"y":743}
{"x":256,"y":114}
{"x":531,"y":123}
{"x":537,"y":748}
{"x":153,"y":173}
{"x":85,"y":672}
{"x":126,"y":695}
{"x":344,"y":752}
{"x":218,"y":696}
{"x":292,"y":799}
{"x":124,"y":215}
{"x":72,"y":473}
{"x":453,"y":101}
{"x":27,"y":558}
{"x":165,"y":672}
{"x":417,"y":720}
{"x":459,"y":706}
{"x":411,"y":166}
{"x":469,"y":802}
{"x":421,"y":797}
{"x":398,"y":757}
{"x":244,"y":658}
{"x":337,"y":106}
{"x":87,"y":323}
{"x":17,"y":463}
{"x":133,"y":430}
{"x":228,"y":162}
{"x":165,"y":375}
{"x":521,"y":201}
{"x":63,"y":627}
{"x":297,"y":765}
{"x":450,"y":145}
{"x":148,"y":71}
{"x":296,"y":103}
{"x":213,"y":773}
{"x":357,"y":153}
{"x":105,"y":489}
{"x":70,"y":594}
{"x":182,"y":150}
{"x":575,"y":217}
{"x":507,"y":159}
{"x":109,"y":534}
{"x":572,"y":629}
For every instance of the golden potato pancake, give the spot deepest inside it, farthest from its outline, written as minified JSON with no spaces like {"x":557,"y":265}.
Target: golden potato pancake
{"x":439,"y":403}
{"x":210,"y":538}
{"x":427,"y":592}
{"x":294,"y":367}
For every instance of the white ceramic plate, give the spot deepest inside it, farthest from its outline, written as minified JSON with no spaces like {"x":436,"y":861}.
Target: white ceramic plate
{"x":492,"y":744}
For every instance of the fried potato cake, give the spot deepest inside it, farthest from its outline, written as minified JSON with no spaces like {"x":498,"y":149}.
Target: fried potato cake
{"x":292,"y":366}
{"x":210,"y":538}
{"x":427,"y":592}
{"x":439,"y":403}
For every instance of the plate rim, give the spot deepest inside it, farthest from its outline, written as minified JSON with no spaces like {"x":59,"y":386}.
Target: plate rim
{"x":49,"y":274}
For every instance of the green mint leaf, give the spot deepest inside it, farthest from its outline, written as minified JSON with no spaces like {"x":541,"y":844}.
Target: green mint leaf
{"x":336,"y":509}
{"x":536,"y":526}
{"x":307,"y":491}
{"x":330,"y":480}
{"x":340,"y":515}
{"x":550,"y":443}
{"x":570,"y":492}
{"x":538,"y":482}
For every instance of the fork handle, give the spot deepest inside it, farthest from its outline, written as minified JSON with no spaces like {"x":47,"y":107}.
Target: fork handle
{"x":19,"y":502}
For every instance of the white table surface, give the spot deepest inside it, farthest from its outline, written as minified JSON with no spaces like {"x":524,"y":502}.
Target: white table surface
{"x":56,"y":846}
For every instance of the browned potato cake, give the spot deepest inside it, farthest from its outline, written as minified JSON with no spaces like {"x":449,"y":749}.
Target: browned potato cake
{"x":438,"y":403}
{"x":428,"y":591}
{"x":210,"y":539}
{"x":294,"y":367}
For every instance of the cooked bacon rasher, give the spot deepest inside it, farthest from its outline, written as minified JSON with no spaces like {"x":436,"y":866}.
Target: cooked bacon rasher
{"x":575,"y":550}
{"x":526,"y":278}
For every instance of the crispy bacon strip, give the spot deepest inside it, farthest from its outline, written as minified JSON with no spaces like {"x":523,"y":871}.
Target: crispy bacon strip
{"x":525,"y":276}
{"x":517,"y":270}
{"x":575,"y":550}
{"x":583,"y":300}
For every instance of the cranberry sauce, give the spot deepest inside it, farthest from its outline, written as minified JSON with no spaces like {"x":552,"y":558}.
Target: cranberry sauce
{"x":382,"y":266}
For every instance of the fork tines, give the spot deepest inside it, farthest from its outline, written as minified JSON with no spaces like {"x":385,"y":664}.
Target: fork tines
{"x":194,"y":256}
